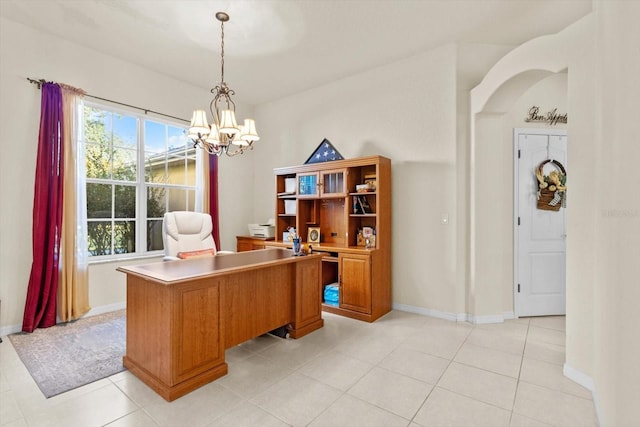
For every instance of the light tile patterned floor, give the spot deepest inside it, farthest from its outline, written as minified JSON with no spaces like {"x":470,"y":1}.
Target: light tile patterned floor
{"x":403,"y":370}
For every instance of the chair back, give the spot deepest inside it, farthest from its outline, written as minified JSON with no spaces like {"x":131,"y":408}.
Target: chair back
{"x":184,"y":231}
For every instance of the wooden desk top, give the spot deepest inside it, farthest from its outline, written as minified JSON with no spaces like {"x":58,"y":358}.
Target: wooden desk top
{"x":169,"y":272}
{"x":255,"y":238}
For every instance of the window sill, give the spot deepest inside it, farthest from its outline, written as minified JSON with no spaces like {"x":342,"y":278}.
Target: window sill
{"x":125,"y":258}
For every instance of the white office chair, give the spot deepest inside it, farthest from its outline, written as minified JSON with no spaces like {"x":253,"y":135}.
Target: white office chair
{"x":187,"y":233}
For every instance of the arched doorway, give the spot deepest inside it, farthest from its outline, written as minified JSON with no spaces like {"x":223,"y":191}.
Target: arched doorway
{"x":490,"y":286}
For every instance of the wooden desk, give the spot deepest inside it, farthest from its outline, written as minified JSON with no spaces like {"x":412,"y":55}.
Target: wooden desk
{"x":251,"y":243}
{"x":182,"y":315}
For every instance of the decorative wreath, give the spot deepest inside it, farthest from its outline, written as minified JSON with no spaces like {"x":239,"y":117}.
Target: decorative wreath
{"x":552,"y":188}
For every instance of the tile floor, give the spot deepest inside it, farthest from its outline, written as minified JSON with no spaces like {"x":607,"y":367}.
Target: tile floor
{"x":403,"y":370}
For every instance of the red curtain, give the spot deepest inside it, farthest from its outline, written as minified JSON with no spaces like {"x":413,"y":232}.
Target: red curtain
{"x":213,"y":198}
{"x":40,"y":306}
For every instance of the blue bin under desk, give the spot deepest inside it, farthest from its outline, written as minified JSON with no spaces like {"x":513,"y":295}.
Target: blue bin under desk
{"x":332,"y":294}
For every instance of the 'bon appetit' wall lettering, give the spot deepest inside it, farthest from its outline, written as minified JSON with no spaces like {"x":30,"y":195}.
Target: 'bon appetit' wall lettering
{"x":552,"y":117}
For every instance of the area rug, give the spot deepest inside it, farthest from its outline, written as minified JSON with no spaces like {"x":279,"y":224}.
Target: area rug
{"x":70,"y":355}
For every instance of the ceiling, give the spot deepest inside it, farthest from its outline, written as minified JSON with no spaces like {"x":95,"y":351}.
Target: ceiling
{"x":275,"y":48}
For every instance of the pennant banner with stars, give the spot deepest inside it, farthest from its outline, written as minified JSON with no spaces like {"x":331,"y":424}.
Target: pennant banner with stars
{"x":324,"y":153}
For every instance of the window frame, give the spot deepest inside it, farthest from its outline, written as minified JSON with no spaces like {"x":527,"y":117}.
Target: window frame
{"x":140,"y":184}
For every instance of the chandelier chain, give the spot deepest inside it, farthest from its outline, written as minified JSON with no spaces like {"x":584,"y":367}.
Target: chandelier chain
{"x":222,"y":50}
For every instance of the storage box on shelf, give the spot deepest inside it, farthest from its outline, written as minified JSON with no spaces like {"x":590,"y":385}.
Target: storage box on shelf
{"x":331,"y":196}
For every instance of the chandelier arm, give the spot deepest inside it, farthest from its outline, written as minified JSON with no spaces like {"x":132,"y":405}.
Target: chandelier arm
{"x":222,"y":93}
{"x":230,"y":101}
{"x":219,"y":149}
{"x":213,"y":149}
{"x":235,"y":152}
{"x":214,"y":109}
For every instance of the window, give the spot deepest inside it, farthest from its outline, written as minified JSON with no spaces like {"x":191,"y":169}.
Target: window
{"x":136,"y":170}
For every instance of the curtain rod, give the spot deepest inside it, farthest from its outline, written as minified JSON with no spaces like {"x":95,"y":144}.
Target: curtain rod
{"x":40,"y":82}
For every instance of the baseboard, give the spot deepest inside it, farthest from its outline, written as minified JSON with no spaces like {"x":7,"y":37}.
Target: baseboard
{"x":485,"y":319}
{"x":455,"y":317}
{"x":427,"y":312}
{"x":587,"y":382}
{"x":12,"y":329}
{"x":8,"y":330}
{"x":106,"y":309}
{"x":578,"y":377}
{"x":508,"y":315}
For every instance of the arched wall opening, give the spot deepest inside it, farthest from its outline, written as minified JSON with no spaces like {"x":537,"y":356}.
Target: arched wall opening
{"x":533,"y":71}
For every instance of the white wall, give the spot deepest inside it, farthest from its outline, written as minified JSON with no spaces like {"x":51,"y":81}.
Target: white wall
{"x":28,"y":53}
{"x":474,"y":60}
{"x":407,"y":112}
{"x":614,"y":206}
{"x":581,"y":245}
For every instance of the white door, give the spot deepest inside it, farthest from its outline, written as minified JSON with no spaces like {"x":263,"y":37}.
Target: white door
{"x":540,"y":235}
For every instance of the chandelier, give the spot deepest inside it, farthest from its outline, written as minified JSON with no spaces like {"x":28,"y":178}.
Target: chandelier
{"x":224,"y":135}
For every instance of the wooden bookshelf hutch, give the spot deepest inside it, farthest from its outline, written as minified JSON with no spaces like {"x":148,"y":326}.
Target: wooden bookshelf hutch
{"x":325,"y":196}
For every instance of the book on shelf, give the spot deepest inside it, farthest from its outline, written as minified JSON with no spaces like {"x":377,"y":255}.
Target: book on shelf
{"x":363,"y":203}
{"x":357,"y":209}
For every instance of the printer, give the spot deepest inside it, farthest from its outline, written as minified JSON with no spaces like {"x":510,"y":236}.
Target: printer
{"x":263,"y":230}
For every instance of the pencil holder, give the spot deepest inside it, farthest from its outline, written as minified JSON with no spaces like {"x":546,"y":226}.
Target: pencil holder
{"x":297,"y":246}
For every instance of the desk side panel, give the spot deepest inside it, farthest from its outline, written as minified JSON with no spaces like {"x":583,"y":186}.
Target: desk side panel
{"x":196,"y":322}
{"x":149,"y":327}
{"x":308,"y":308}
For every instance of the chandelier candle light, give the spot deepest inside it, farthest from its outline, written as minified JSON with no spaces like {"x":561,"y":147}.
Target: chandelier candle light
{"x":224,"y":135}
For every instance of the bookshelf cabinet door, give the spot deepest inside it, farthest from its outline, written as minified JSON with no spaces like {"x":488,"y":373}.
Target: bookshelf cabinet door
{"x":307,"y":185}
{"x":355,"y":282}
{"x":333,"y":183}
